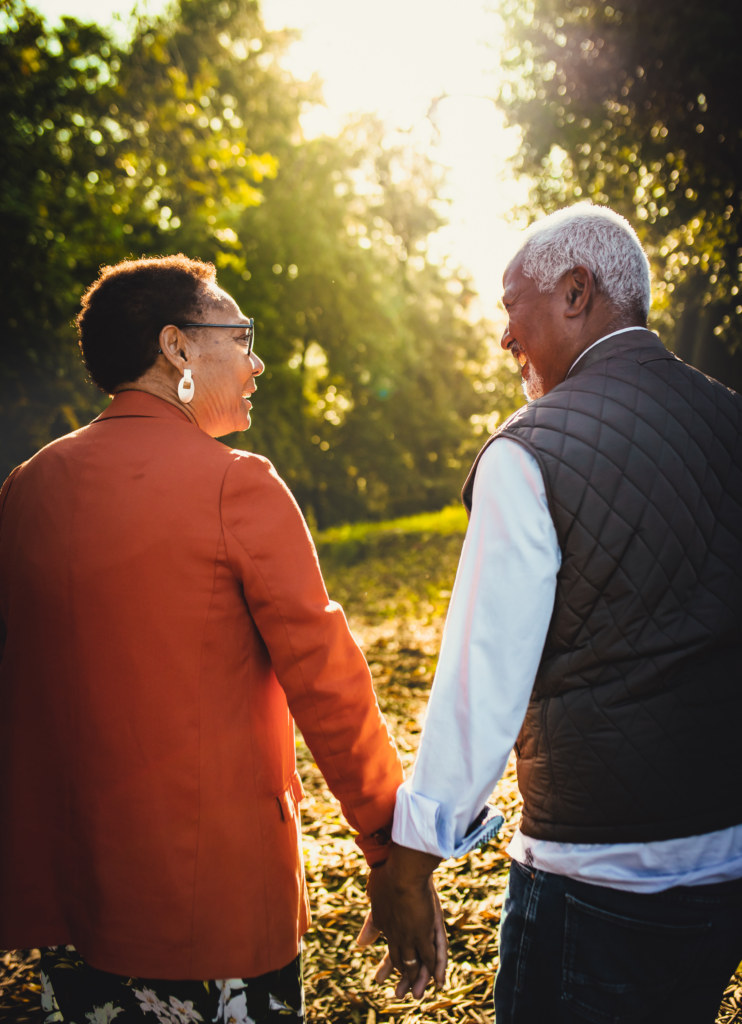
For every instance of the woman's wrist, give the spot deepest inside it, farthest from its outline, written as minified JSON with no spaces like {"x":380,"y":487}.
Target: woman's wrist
{"x":410,"y":867}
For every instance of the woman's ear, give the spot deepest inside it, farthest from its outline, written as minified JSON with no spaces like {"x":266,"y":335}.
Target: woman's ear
{"x":171,"y":342}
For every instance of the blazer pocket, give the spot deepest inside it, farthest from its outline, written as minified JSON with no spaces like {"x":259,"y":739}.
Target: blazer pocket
{"x":290,"y":797}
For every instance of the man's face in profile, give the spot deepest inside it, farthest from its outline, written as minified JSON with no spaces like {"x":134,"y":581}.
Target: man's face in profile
{"x":545,"y":330}
{"x":528,"y":324}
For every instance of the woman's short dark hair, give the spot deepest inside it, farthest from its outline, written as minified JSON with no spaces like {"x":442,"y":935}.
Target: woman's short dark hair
{"x":124,"y":311}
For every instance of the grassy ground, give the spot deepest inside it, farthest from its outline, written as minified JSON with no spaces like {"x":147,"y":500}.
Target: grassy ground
{"x":394,"y":581}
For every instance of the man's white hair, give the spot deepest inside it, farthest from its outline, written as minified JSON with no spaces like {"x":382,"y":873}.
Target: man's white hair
{"x":593,"y":237}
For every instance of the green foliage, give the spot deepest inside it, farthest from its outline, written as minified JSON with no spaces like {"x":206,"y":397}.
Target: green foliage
{"x":395,"y":569}
{"x":104,"y":153}
{"x":635,"y":105}
{"x":348,"y":544}
{"x":189,"y":140}
{"x":374,"y":372}
{"x":452,"y":519}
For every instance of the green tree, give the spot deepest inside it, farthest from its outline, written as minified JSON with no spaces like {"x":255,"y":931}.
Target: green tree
{"x":102,"y":153}
{"x":189,"y":139}
{"x":375,"y":373}
{"x":635,"y":105}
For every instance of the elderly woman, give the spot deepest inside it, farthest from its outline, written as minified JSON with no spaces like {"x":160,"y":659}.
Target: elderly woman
{"x":164,"y":622}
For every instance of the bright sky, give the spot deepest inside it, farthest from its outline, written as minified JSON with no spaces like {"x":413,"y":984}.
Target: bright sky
{"x":394,"y":57}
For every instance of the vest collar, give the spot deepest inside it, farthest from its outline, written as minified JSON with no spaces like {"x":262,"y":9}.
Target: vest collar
{"x":140,"y":403}
{"x":639,"y":340}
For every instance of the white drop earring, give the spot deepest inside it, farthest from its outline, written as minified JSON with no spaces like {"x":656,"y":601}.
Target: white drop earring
{"x":186,"y":387}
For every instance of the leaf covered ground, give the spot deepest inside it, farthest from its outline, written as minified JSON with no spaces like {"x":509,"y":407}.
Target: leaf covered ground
{"x":394,"y":582}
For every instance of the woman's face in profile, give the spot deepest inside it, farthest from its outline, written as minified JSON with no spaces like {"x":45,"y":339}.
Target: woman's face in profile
{"x":223,"y":371}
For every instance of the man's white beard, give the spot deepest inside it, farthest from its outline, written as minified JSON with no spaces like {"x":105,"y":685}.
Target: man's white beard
{"x":532,"y":384}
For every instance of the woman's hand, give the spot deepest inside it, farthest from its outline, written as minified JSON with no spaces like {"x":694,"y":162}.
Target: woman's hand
{"x":406,"y":908}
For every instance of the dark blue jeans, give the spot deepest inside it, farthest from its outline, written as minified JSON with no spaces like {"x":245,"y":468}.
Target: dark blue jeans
{"x":572,"y":952}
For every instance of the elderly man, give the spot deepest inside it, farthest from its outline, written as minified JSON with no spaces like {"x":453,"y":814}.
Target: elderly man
{"x":595,"y":628}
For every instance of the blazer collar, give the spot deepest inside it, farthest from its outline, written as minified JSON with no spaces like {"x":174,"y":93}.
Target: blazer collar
{"x":631,"y":341}
{"x":140,"y":403}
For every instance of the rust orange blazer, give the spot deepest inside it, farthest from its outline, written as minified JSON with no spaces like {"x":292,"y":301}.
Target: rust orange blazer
{"x":165,"y":621}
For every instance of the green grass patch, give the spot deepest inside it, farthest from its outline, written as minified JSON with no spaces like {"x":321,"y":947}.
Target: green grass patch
{"x":451,"y":519}
{"x":402,"y":567}
{"x":353,"y":541}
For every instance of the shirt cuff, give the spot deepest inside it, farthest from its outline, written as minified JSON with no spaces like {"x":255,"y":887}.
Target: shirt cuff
{"x":420,"y":824}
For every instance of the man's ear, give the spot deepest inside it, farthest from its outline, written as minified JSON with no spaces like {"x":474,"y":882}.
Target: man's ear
{"x":579,"y":287}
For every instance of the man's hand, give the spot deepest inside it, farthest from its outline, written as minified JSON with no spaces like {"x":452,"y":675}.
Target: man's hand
{"x":406,"y":908}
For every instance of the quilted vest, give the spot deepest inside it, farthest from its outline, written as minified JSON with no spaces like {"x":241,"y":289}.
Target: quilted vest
{"x":632,"y":732}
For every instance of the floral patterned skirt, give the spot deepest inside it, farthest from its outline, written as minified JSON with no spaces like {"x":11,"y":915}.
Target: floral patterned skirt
{"x":74,"y":992}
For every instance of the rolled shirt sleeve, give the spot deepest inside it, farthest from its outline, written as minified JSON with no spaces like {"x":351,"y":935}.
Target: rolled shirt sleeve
{"x":497,"y":622}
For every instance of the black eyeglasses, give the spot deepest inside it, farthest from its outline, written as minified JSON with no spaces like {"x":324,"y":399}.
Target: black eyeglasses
{"x":249,"y":330}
